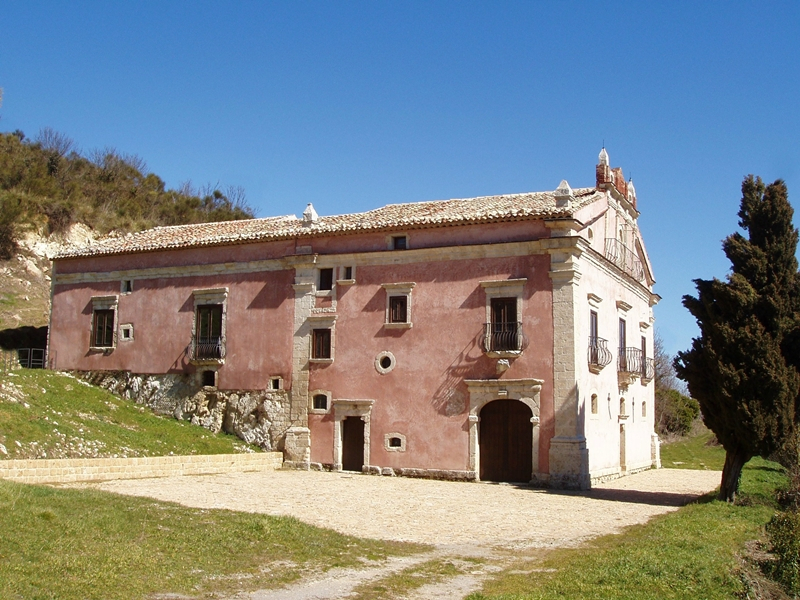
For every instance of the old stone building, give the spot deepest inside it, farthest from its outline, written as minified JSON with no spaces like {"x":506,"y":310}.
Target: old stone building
{"x":504,"y":338}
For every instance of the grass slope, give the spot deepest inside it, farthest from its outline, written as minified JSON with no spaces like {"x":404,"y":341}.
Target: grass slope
{"x":46,"y":414}
{"x":700,"y":451}
{"x":65,"y":543}
{"x":688,"y":554}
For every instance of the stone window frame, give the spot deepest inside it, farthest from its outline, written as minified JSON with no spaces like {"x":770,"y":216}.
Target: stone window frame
{"x":504,"y":288}
{"x":391,"y":244}
{"x":320,"y":411}
{"x":378,"y":359}
{"x":343,"y":280}
{"x":275,"y":383}
{"x":206,"y":297}
{"x":122,"y":329}
{"x":104,"y":303}
{"x":394,"y":290}
{"x":322,"y":321}
{"x":483,"y":391}
{"x":126,"y":287}
{"x":343,"y":408}
{"x":387,"y":438}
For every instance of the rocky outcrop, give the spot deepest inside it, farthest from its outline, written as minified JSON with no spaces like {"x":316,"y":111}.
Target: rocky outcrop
{"x":259,"y":417}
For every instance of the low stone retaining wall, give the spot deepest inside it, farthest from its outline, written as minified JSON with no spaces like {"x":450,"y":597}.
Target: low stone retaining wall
{"x":70,"y":470}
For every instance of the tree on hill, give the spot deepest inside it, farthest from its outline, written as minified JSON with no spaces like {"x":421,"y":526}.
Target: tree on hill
{"x":47,"y":183}
{"x":743,"y":368}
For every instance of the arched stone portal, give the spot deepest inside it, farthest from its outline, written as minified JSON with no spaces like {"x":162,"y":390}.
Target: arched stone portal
{"x":485,"y":391}
{"x":505,"y":437}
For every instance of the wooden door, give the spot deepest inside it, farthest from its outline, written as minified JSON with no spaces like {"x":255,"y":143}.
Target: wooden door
{"x":506,"y":441}
{"x":352,"y":444}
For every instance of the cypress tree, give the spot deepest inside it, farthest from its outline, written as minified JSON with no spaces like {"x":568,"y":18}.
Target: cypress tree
{"x":743,"y":368}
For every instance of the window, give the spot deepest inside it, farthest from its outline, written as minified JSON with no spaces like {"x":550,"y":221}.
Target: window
{"x":644,"y":409}
{"x":325,"y":283}
{"x":276,"y":383}
{"x":398,"y":304}
{"x":594,"y":404}
{"x":623,"y":358}
{"x":104,"y":314}
{"x":504,"y":325}
{"x":321,"y":343}
{"x":208,"y":329}
{"x":103,"y":328}
{"x":398,"y":309}
{"x":399,"y":242}
{"x":385,"y":362}
{"x":502,"y":329}
{"x":126,"y":287}
{"x":622,"y":406}
{"x":126,"y":332}
{"x":319,"y":402}
{"x":347,"y":273}
{"x":394,"y":442}
{"x":209,"y":378}
{"x":208,"y":340}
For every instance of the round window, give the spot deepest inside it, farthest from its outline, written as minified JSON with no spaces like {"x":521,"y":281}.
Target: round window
{"x":385,"y":362}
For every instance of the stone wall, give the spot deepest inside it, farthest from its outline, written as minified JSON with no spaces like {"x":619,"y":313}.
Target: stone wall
{"x":259,"y":417}
{"x":70,"y":470}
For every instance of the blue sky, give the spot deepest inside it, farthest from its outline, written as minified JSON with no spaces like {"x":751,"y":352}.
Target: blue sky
{"x":353,"y":105}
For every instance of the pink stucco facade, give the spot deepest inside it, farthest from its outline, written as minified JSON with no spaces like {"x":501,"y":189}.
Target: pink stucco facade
{"x":420,"y":381}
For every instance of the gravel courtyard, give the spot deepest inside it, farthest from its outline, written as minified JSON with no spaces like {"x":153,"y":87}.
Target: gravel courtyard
{"x":449,"y":515}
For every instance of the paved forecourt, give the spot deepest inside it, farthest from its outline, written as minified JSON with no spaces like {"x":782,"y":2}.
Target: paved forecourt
{"x":435,"y":512}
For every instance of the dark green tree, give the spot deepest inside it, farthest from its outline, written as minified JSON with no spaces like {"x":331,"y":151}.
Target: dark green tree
{"x":742,"y":368}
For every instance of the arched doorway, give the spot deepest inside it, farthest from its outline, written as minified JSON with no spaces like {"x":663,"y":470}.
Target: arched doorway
{"x":506,"y":438}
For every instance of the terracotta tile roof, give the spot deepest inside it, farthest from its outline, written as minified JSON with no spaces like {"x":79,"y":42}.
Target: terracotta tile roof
{"x":415,"y":215}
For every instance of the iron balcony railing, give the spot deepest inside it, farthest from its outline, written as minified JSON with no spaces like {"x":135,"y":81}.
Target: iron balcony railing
{"x":630,"y":361}
{"x":207,"y":348}
{"x":648,"y":369}
{"x":503,"y":337}
{"x":625,"y":258}
{"x":599,"y":354}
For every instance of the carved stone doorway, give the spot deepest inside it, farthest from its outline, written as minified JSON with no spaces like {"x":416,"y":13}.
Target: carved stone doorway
{"x":505,"y":438}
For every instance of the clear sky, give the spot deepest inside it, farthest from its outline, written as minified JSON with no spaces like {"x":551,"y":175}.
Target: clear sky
{"x":353,"y":105}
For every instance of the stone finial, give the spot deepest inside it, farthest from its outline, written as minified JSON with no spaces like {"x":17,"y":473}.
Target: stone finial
{"x":563,"y":193}
{"x":603,"y":158}
{"x":563,"y":189}
{"x":631,"y":190}
{"x":310,"y":215}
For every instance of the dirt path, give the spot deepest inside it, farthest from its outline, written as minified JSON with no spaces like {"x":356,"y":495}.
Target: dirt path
{"x":459,"y":519}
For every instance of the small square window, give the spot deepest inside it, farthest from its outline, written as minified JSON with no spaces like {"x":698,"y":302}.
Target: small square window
{"x":347,"y":272}
{"x":126,"y":332}
{"x":399,"y":242}
{"x":321,"y":343}
{"x":325,"y":280}
{"x":127,"y":286}
{"x":276,"y":383}
{"x":320,"y":402}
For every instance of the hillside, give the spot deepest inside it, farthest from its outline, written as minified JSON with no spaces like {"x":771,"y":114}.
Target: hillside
{"x":53,"y":195}
{"x":46,"y":414}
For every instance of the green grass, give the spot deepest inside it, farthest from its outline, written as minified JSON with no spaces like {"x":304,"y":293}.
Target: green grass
{"x":46,"y":414}
{"x":400,"y":584}
{"x":695,"y":452}
{"x":63,"y":543}
{"x":687,"y":554}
